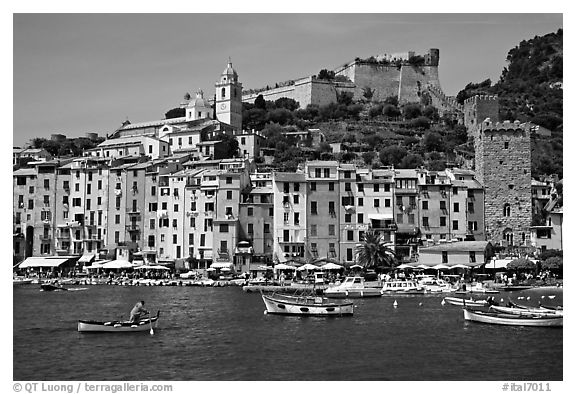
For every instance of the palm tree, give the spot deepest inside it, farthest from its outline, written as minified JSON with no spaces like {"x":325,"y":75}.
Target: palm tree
{"x":373,"y":252}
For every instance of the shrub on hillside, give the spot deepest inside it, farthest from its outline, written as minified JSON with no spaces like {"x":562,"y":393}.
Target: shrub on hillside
{"x":411,"y":111}
{"x":375,"y":111}
{"x":391,"y":111}
{"x":421,"y":123}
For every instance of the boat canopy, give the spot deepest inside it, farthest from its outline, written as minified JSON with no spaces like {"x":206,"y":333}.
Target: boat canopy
{"x":222,"y":265}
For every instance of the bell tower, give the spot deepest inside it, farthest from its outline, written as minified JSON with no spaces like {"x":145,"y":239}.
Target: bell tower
{"x":229,"y":98}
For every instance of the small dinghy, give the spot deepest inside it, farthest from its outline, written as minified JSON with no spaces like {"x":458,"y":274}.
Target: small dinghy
{"x":118,"y":326}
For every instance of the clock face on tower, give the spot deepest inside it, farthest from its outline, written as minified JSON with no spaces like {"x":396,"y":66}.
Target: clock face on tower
{"x":223,"y":106}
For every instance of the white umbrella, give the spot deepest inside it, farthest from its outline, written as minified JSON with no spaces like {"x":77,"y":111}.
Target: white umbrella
{"x":356,"y":266}
{"x":117,"y":264}
{"x":210,"y":269}
{"x":283,"y":267}
{"x":308,"y":266}
{"x":152,"y":267}
{"x":440,"y":267}
{"x":331,"y":266}
{"x":423,"y":266}
{"x":460,"y":266}
{"x":403,"y":266}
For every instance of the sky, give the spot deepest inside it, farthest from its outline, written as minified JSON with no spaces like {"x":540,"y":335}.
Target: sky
{"x":80,"y":73}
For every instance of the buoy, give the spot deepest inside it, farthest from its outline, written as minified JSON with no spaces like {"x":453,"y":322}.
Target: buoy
{"x":552,"y":297}
{"x":420,"y":304}
{"x":443,"y":302}
{"x":542,"y":297}
{"x":528,"y":297}
{"x":265,"y":312}
{"x":395,"y":304}
{"x":520,"y":298}
{"x":501,"y":299}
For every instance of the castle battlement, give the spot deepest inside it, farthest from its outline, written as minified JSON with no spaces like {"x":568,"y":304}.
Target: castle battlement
{"x":506,"y":125}
{"x":480,"y":98}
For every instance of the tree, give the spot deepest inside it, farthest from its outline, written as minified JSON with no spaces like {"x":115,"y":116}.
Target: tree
{"x":392,"y":155}
{"x":373,"y":252}
{"x":391,"y":111}
{"x":375,"y":111}
{"x":412,"y":160}
{"x":521,"y":264}
{"x":411,"y":111}
{"x":175,"y":113}
{"x":325,"y":74}
{"x":368,"y":157}
{"x":368,"y":93}
{"x":259,"y":102}
{"x":231,"y":144}
{"x":432,"y":141}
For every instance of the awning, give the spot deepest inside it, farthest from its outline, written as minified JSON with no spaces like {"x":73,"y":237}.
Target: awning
{"x":380,"y":216}
{"x":38,"y":262}
{"x":498,"y":263}
{"x":117,"y":264}
{"x":97,"y":264}
{"x":87,"y":258}
{"x":152,"y":267}
{"x":221,"y":265}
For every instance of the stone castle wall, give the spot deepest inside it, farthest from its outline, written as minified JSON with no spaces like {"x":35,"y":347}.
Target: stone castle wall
{"x":404,"y":81}
{"x":503,"y":163}
{"x":477,"y":109}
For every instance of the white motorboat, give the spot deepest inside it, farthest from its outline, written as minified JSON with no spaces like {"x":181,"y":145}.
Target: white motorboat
{"x":402,"y":287}
{"x":465,"y":302}
{"x":436,"y":285}
{"x":513,"y":320}
{"x":352,"y":287}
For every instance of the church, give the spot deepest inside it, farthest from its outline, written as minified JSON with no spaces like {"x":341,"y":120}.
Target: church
{"x":182,"y":134}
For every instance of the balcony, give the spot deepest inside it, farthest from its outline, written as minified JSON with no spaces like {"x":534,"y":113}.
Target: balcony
{"x":45,"y":238}
{"x":132,"y":228}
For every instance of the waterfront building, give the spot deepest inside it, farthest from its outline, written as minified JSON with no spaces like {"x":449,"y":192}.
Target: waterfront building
{"x":87,"y":215}
{"x":470,"y":253}
{"x":378,"y":205}
{"x":349,"y":231}
{"x":290,"y":202}
{"x":435,"y":206}
{"x":322,"y":209}
{"x":541,"y":195}
{"x":256,"y":217}
{"x":406,"y":204}
{"x":470,"y":199}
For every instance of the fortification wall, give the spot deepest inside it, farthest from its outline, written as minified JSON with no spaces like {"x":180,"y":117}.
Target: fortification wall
{"x":414,"y":80}
{"x":503,"y":163}
{"x":445,"y":104}
{"x":270,"y":95}
{"x":477,"y":109}
{"x":383,"y":79}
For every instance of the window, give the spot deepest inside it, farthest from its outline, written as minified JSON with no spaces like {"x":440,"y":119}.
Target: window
{"x":360,"y":202}
{"x":117,"y":219}
{"x":46,"y":183}
{"x":286,"y":236}
{"x":228,"y":180}
{"x":455,"y":191}
{"x":455,"y":224}
{"x":399,"y":218}
{"x":376,"y":188}
{"x":424,"y":204}
{"x":286,"y":187}
{"x":506,"y":210}
{"x":296,"y":187}
{"x":425,"y":222}
{"x":399,"y":201}
{"x":442,"y":221}
{"x":99,"y":200}
{"x":443,"y":205}
{"x":174,"y":239}
{"x":76,"y":202}
{"x":77,"y":187}
{"x":387,"y":202}
{"x":444,"y":257}
{"x":152,"y":224}
{"x":471,"y":207}
{"x":387,"y":187}
{"x":117,"y":236}
{"x":229,"y":195}
{"x":314,"y":208}
{"x":313,"y":186}
{"x":506,"y":144}
{"x":153,"y":190}
{"x":250,"y":211}
{"x":250,"y":228}
{"x":331,"y":208}
{"x":176,"y":207}
{"x":266,"y":228}
{"x":347,"y":200}
{"x":313,"y":230}
{"x":350,"y":235}
{"x":296,"y":199}
{"x":410,"y":218}
{"x":472,"y":257}
{"x":348,"y":218}
{"x":456,"y":207}
{"x":347,"y":174}
{"x":223,"y":228}
{"x":349,"y":255}
{"x":331,"y":229}
{"x":376,"y":203}
{"x":286,"y":217}
{"x":270,"y":212}
{"x":175,"y":223}
{"x":331,"y":186}
{"x":46,"y":200}
{"x":360,"y":218}
{"x":296,"y":218}
{"x":31,"y":190}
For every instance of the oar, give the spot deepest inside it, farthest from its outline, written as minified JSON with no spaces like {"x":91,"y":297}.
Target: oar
{"x":151,"y":329}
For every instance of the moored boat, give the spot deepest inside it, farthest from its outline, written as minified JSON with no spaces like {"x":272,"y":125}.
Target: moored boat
{"x":435,"y":285}
{"x":465,"y":302}
{"x":306,"y":305}
{"x":527,"y":311}
{"x":513,"y":320}
{"x":352,"y":287}
{"x":52,"y":287}
{"x":21,"y":281}
{"x":118,"y":326}
{"x":402,"y":287}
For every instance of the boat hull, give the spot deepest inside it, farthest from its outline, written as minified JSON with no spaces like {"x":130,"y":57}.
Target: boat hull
{"x":117,"y":326}
{"x":306,"y":306}
{"x":50,"y":287}
{"x":513,"y":320}
{"x":469,"y":302}
{"x":527,"y":311}
{"x":352,"y":293}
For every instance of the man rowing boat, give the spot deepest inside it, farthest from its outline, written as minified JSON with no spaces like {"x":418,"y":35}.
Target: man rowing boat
{"x":137,"y":312}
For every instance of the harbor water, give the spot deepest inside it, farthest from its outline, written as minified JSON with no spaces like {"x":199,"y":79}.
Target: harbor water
{"x":208,"y":334}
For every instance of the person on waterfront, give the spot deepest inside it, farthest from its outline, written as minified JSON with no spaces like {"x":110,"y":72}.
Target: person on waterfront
{"x":137,"y":312}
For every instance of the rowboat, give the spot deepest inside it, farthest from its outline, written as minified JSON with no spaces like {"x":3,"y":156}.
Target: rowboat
{"x":527,"y":311}
{"x":52,"y":287}
{"x":467,"y":302}
{"x":21,"y":281}
{"x":305,"y":305}
{"x":513,"y":320}
{"x":352,"y":287}
{"x":117,"y":326}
